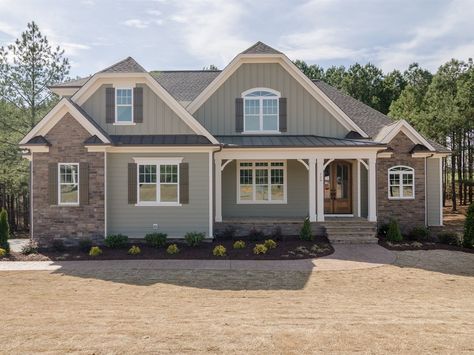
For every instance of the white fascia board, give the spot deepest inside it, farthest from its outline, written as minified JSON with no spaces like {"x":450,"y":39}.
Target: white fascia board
{"x":387,"y":133}
{"x":64,"y":91}
{"x":35,"y":148}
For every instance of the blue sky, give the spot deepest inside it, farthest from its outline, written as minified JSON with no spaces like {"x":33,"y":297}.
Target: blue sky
{"x":191,"y":34}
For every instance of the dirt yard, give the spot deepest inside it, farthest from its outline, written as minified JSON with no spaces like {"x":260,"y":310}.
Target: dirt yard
{"x":422,"y":304}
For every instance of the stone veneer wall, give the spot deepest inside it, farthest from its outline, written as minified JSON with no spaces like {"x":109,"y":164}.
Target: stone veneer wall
{"x":67,"y":222}
{"x":409,"y":213}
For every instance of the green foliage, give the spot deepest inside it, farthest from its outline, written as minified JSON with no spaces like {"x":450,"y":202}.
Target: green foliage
{"x":468,"y":239}
{"x":194,"y":238}
{"x":95,"y":251}
{"x":85,"y":244}
{"x":393,"y":233}
{"x":419,"y":234}
{"x":58,"y":245}
{"x":305,"y":232}
{"x":228,"y":233}
{"x":116,"y":241}
{"x":260,"y":249}
{"x":256,"y":234}
{"x":219,"y":250}
{"x":382,"y":230}
{"x":239,"y":244}
{"x":156,"y":240}
{"x":3,"y":253}
{"x":4,"y":230}
{"x":134,"y":250}
{"x":270,"y":244}
{"x":30,"y":248}
{"x":172,"y":249}
{"x":450,"y":238}
{"x":277,"y":233}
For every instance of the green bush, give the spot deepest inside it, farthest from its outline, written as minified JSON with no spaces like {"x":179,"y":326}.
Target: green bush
{"x":419,"y":234}
{"x":95,"y":251}
{"x":382,"y":230}
{"x":277,"y":233}
{"x":156,"y":240}
{"x":228,"y":233}
{"x":305,"y":233}
{"x":85,"y":244}
{"x":58,"y":245}
{"x":260,"y":249}
{"x":239,"y":244}
{"x":4,"y":231}
{"x":172,"y":249}
{"x":393,"y":232}
{"x":256,"y":235}
{"x":194,"y":238}
{"x":270,"y":244}
{"x":450,"y":238}
{"x":3,"y":252}
{"x":134,"y":250}
{"x":116,"y":241}
{"x":30,"y":248}
{"x":468,"y":239}
{"x":219,"y":250}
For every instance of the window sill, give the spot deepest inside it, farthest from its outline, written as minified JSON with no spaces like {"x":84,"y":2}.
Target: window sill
{"x":158,"y":204}
{"x":401,"y":198}
{"x":261,"y":132}
{"x":67,"y":205}
{"x":262,"y":202}
{"x":124,"y":124}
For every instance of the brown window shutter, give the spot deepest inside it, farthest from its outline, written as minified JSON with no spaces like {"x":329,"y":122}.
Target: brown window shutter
{"x":239,"y":114}
{"x":132,"y":183}
{"x":84,"y":184}
{"x":109,"y":105}
{"x":53,"y":183}
{"x":283,"y":115}
{"x":138,"y":105}
{"x":184,"y":183}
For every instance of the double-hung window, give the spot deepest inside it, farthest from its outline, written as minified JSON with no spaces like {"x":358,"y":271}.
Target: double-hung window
{"x":261,"y":182}
{"x":68,"y":184}
{"x":158,"y":182}
{"x":401,"y":183}
{"x":123,"y":106}
{"x":261,"y":110}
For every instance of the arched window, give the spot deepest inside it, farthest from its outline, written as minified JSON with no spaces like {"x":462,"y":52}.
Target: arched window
{"x":401,"y":183}
{"x":261,"y":110}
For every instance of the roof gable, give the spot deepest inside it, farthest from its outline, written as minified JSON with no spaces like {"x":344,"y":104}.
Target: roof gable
{"x":260,"y":48}
{"x":127,"y":65}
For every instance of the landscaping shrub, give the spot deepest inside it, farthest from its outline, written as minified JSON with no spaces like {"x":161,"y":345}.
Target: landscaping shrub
{"x":85,"y":244}
{"x":58,"y":245}
{"x":239,"y":244}
{"x":260,"y":249}
{"x":256,"y":235}
{"x":134,"y":250}
{"x":172,"y":249}
{"x":468,"y":239}
{"x":116,"y":241}
{"x":156,"y":240}
{"x":277,"y":233}
{"x":393,"y":233}
{"x":228,"y":233}
{"x":3,"y":252}
{"x":270,"y":244}
{"x":194,"y":238}
{"x":219,"y":250}
{"x":419,"y":234}
{"x":449,"y":238}
{"x":4,"y":231}
{"x":30,"y":248}
{"x":95,"y":251}
{"x":305,"y":233}
{"x":382,"y":230}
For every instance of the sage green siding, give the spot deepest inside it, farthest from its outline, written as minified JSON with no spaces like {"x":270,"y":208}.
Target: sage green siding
{"x":364,"y":191}
{"x":297,"y":195}
{"x":136,"y":221}
{"x":433,"y":192}
{"x":305,"y":114}
{"x":158,"y":117}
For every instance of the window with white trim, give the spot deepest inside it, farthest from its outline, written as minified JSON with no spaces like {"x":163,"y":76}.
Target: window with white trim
{"x":261,"y":110}
{"x":124,"y":106}
{"x":401,"y":182}
{"x":158,"y":183}
{"x":68,"y":184}
{"x":261,"y":182}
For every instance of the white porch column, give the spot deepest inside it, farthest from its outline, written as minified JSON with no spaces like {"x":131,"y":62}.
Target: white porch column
{"x":320,"y":189}
{"x":372,"y":203}
{"x":312,"y":189}
{"x":358,"y":167}
{"x":218,"y":192}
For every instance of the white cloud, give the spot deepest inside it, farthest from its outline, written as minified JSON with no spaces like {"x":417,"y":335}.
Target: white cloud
{"x":154,"y":12}
{"x":8,"y":29}
{"x":136,"y":23}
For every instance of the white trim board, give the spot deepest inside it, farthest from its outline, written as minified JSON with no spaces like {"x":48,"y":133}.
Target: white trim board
{"x":387,"y":133}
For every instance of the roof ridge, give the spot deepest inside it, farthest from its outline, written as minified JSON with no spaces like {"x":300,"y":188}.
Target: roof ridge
{"x":260,"y":48}
{"x":132,"y":64}
{"x":185,"y":71}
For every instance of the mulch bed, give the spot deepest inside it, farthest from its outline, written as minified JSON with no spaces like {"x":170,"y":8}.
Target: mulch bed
{"x":410,"y":245}
{"x":289,"y":248}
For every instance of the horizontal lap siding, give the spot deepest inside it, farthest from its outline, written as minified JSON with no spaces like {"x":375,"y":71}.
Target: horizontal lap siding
{"x":136,"y":221}
{"x":433,"y":194}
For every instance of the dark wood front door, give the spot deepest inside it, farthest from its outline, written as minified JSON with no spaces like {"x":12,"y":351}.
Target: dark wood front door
{"x":338,"y":188}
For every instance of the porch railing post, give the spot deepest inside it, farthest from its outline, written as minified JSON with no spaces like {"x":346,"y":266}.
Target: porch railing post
{"x":312,"y":189}
{"x":320,"y":189}
{"x":218,"y":192}
{"x":372,"y":214}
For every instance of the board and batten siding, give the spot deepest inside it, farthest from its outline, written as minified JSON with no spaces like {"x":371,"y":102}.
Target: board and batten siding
{"x":176,"y":221}
{"x":305,"y":114}
{"x":433,"y":192}
{"x":158,"y":117}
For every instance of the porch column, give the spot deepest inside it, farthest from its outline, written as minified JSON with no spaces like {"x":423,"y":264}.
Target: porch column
{"x":372,"y":208}
{"x":312,"y":189}
{"x":320,"y":189}
{"x":218,"y":192}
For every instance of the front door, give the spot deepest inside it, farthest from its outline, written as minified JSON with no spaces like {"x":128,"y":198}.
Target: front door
{"x":337,"y":188}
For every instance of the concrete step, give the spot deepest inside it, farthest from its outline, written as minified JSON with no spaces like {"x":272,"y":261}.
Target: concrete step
{"x":353,"y":240}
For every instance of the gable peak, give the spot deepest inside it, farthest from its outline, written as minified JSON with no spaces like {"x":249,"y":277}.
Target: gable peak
{"x":260,"y":48}
{"x":127,"y":65}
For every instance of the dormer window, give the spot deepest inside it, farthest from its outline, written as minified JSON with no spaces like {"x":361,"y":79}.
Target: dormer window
{"x":261,"y":110}
{"x":124,"y":106}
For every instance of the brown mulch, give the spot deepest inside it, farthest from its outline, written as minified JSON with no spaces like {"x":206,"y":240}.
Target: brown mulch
{"x":410,"y":245}
{"x":285,"y":250}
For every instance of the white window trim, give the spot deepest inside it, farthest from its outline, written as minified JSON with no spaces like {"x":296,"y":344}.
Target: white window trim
{"x":123,"y":123}
{"x":59,"y":186}
{"x":400,"y":173}
{"x":261,"y":98}
{"x":157,"y":162}
{"x":269,"y":167}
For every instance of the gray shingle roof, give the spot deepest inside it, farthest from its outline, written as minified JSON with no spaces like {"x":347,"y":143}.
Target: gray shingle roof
{"x":128,"y":65}
{"x":260,"y":48}
{"x":89,"y":118}
{"x":171,"y":139}
{"x":38,"y":140}
{"x":93,"y":140}
{"x":292,"y":141}
{"x":75,"y":83}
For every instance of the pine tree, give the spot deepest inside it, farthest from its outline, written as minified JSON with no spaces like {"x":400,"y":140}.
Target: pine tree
{"x":4,"y":230}
{"x":468,"y":240}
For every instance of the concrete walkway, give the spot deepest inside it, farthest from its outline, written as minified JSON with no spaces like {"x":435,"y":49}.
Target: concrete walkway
{"x":345,"y":257}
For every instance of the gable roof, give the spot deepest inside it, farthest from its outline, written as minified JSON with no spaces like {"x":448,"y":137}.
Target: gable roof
{"x":74,"y":83}
{"x":127,"y":65}
{"x":260,"y":48}
{"x":38,"y":140}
